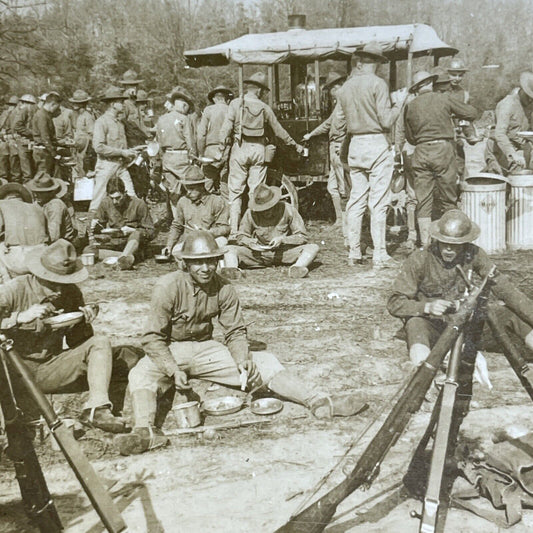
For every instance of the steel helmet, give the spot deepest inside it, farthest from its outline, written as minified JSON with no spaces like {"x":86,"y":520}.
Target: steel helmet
{"x":28,"y":99}
{"x":457,"y":65}
{"x":200,"y":244}
{"x":13,"y":100}
{"x":454,"y":227}
{"x":422,"y":78}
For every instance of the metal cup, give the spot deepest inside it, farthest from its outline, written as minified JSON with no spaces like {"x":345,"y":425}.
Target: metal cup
{"x":187,"y":415}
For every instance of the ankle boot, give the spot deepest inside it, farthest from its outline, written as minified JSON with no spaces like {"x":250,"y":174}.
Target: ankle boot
{"x":141,"y":439}
{"x":337,"y":405}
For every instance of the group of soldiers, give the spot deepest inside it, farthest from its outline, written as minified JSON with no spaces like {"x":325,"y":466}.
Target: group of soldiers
{"x":212,"y":239}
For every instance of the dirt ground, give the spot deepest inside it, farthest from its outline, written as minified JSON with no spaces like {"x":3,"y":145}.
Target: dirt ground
{"x":334,"y":330}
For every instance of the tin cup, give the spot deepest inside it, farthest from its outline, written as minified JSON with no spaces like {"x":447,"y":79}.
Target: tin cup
{"x":87,"y":259}
{"x":187,"y":415}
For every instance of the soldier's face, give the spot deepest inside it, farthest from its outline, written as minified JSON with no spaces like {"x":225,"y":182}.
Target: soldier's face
{"x":194,"y":192}
{"x":450,"y":252}
{"x":181,"y":106}
{"x":118,"y":105}
{"x":117,"y":198}
{"x":456,"y":77}
{"x":202,"y":270}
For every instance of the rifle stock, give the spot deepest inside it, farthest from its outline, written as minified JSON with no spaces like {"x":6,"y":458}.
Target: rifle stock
{"x":315,"y":517}
{"x":93,"y":487}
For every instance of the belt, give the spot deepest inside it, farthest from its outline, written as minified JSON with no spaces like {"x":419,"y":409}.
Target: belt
{"x":172,"y":151}
{"x":435,"y":141}
{"x":114,"y":159}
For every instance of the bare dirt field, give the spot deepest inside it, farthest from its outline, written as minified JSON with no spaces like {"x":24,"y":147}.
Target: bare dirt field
{"x":334,"y":330}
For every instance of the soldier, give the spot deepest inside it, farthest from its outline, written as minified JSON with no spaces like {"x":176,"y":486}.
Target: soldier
{"x":6,"y":149}
{"x":246,"y":126}
{"x":209,"y":137}
{"x":23,"y":226}
{"x":336,"y":130}
{"x":83,"y":132}
{"x":506,"y":150}
{"x":366,"y":107}
{"x":129,"y":215}
{"x":131,"y":114}
{"x":145,"y":121}
{"x":272,"y":232}
{"x":110,"y":145}
{"x":175,"y":137}
{"x":197,"y":209}
{"x":22,"y":128}
{"x":44,"y":134}
{"x":178,"y":341}
{"x":429,"y":284}
{"x":465,"y":129}
{"x":65,"y":124}
{"x":47,"y":191}
{"x":429,"y":128}
{"x":89,"y":360}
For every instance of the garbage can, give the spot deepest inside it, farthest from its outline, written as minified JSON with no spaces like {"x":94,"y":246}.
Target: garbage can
{"x":520,"y":212}
{"x":483,"y":200}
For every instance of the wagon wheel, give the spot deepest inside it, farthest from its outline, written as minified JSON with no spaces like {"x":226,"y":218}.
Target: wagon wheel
{"x":289,"y":193}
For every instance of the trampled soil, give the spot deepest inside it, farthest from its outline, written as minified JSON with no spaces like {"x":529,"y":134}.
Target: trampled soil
{"x":334,"y":330}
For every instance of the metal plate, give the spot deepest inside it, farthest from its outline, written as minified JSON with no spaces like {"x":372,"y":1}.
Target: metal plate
{"x":525,"y":134}
{"x":64,"y":320}
{"x":110,"y":261}
{"x":160,"y":258}
{"x":222,"y":406}
{"x":260,"y":247}
{"x":266,"y":406}
{"x":111,"y":231}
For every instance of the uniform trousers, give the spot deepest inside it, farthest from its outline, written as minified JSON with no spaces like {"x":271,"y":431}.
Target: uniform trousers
{"x":283,"y":255}
{"x":106,"y":169}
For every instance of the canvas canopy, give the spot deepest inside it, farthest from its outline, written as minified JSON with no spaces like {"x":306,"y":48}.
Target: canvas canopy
{"x":300,"y":45}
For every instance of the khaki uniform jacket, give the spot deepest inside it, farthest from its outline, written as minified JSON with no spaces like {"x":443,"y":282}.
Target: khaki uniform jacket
{"x":109,"y":137}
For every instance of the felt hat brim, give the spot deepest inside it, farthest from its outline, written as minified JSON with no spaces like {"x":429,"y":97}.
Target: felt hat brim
{"x":472,"y":235}
{"x":181,"y":95}
{"x":35,"y":266}
{"x":257,"y":84}
{"x":526,"y":83}
{"x":432,"y":78}
{"x":17,"y":188}
{"x":55,"y":187}
{"x":271,"y":203}
{"x":79,"y":100}
{"x":378,"y":58}
{"x":211,"y":94}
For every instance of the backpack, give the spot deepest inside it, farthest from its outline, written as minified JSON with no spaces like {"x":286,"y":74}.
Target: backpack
{"x":252,"y":118}
{"x":504,"y":477}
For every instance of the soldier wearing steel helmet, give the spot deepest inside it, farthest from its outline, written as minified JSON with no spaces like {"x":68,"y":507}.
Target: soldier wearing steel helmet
{"x":178,"y":342}
{"x":22,"y":129}
{"x":429,"y":128}
{"x":6,"y":148}
{"x":429,"y":283}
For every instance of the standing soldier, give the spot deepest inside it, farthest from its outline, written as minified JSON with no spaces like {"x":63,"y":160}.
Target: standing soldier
{"x":44,"y":134}
{"x":429,"y":128}
{"x":506,"y":150}
{"x":109,"y":143}
{"x":464,"y":129}
{"x":141,"y":103}
{"x":14,"y":160}
{"x":246,"y":125}
{"x":6,"y":172}
{"x":83,"y":132}
{"x":365,"y":105}
{"x":22,"y":128}
{"x":209,"y":136}
{"x":132,"y":115}
{"x":336,"y":131}
{"x":175,"y":137}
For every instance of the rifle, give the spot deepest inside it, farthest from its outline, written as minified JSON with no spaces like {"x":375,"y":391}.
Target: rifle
{"x":96,"y":492}
{"x":318,"y":515}
{"x":35,"y":495}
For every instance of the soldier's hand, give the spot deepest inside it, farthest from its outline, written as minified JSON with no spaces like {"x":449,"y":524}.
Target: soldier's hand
{"x":300,"y":149}
{"x":276,"y":241}
{"x":438,"y":307}
{"x":129,"y":153}
{"x":254,"y":377}
{"x":90,"y":312}
{"x":306,"y":137}
{"x":181,"y":382}
{"x":34,"y":312}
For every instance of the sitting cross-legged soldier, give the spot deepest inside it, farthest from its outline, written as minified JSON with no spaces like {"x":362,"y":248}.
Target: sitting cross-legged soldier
{"x":178,"y":342}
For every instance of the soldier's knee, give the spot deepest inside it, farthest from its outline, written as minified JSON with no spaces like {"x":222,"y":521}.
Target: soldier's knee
{"x":141,"y":377}
{"x":418,"y":353}
{"x":101,"y":343}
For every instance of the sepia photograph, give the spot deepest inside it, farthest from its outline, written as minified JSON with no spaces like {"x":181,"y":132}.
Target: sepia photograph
{"x":265,"y":266}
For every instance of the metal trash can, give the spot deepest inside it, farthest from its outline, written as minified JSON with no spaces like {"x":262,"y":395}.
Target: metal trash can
{"x":483,"y":200}
{"x":520,"y":212}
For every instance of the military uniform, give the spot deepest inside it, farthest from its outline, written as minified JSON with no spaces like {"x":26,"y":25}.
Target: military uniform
{"x":22,"y":128}
{"x":247,"y":165}
{"x":44,"y":136}
{"x":15,"y":172}
{"x":109,"y":141}
{"x":209,"y":213}
{"x":83,"y":134}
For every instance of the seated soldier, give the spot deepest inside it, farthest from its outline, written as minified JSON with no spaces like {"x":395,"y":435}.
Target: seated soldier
{"x":179,"y":344}
{"x":131,"y":217}
{"x":22,"y":229}
{"x":89,"y":361}
{"x":197,"y":210}
{"x":430,"y":283}
{"x":47,"y":192}
{"x":271,"y":232}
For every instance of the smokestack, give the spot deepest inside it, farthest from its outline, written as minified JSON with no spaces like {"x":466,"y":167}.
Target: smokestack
{"x":297,"y":22}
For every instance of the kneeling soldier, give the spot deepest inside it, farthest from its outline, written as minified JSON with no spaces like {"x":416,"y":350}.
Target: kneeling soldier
{"x":272,"y":232}
{"x":88,"y":362}
{"x":430,"y":283}
{"x":179,"y":344}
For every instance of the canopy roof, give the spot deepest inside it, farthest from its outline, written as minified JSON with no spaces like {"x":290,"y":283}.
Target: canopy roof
{"x":300,"y":45}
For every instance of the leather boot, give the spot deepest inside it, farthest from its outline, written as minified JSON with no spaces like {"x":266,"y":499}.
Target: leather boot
{"x":299,"y":269}
{"x":424,"y":224}
{"x":141,"y":439}
{"x":235,"y":215}
{"x":337,"y":405}
{"x":336,"y":199}
{"x":102,"y":418}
